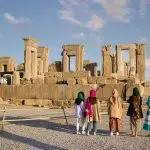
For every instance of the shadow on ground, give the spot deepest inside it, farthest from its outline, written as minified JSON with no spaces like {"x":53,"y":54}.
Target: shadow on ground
{"x":28,"y":141}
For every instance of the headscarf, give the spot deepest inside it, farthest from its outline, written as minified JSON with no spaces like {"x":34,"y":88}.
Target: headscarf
{"x":136,"y":92}
{"x":80,"y":98}
{"x":115,"y":96}
{"x":92,"y":96}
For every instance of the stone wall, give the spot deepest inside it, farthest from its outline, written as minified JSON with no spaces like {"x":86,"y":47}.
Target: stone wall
{"x":55,"y":92}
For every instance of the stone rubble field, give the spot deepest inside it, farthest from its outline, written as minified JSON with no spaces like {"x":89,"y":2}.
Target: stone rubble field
{"x":54,"y":134}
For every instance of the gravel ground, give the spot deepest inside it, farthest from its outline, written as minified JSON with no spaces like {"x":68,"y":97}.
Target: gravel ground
{"x":54,"y":134}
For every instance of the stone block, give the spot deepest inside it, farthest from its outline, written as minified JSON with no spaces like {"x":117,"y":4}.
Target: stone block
{"x":112,"y":81}
{"x":50,"y":80}
{"x":101,"y":80}
{"x":81,"y":81}
{"x":37,"y":80}
{"x":25,"y":81}
{"x":65,"y":103}
{"x":60,"y":80}
{"x":71,"y":81}
{"x":147,"y":84}
{"x":16,"y":78}
{"x":82,"y":74}
{"x":2,"y":102}
{"x":92,"y":80}
{"x":67,"y":75}
{"x":57,"y":103}
{"x":71,"y":103}
{"x":53,"y":74}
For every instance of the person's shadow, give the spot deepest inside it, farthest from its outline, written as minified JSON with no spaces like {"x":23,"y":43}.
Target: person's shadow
{"x":47,"y":124}
{"x":28,"y":141}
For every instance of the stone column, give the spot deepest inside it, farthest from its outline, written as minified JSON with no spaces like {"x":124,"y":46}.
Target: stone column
{"x":46,"y":60}
{"x":119,"y":61}
{"x":132,"y":53}
{"x":78,"y":62}
{"x":82,"y":58}
{"x":16,"y":78}
{"x":27,"y":62}
{"x":30,"y":58}
{"x":34,"y":64}
{"x":107,"y":60}
{"x":141,"y":61}
{"x":40,"y":67}
{"x":65,"y":62}
{"x":95,"y":71}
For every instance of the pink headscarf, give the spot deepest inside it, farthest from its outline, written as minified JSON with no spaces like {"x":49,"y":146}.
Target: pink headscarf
{"x":89,"y":111}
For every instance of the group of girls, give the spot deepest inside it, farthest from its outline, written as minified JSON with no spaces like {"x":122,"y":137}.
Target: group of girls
{"x":89,"y":111}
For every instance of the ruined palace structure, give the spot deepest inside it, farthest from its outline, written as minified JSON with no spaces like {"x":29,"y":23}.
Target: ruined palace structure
{"x":35,"y":74}
{"x":113,"y":63}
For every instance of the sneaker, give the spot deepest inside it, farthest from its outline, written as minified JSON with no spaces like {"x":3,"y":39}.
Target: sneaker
{"x":111,"y":133}
{"x":117,"y":133}
{"x":94,"y":133}
{"x":88,"y":133}
{"x":83,"y":132}
{"x":78,"y":132}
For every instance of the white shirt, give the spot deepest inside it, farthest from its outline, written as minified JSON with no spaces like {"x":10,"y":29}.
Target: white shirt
{"x":79,"y":110}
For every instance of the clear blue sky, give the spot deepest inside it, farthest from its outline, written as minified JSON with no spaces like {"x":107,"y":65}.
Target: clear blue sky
{"x":89,"y":22}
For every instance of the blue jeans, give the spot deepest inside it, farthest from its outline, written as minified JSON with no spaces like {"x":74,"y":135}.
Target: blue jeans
{"x":89,"y":127}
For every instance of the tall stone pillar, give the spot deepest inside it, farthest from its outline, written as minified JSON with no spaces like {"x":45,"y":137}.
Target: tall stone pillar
{"x":95,"y":70}
{"x":107,"y":60}
{"x":65,"y":62}
{"x":114,"y":64}
{"x":30,"y":58}
{"x":78,"y":60}
{"x":34,"y":64}
{"x":46,"y":60}
{"x":132,"y":54}
{"x":40,"y":67}
{"x":141,"y":61}
{"x":27,"y":62}
{"x":81,"y":57}
{"x":120,"y":65}
{"x":16,"y":78}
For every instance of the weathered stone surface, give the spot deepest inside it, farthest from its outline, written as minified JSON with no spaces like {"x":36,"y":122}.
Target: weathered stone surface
{"x":71,"y":103}
{"x":102,"y":80}
{"x":2,"y":102}
{"x":147,"y":84}
{"x":67,"y":75}
{"x":60,"y":80}
{"x":81,"y":81}
{"x":16,"y":78}
{"x":76,"y":50}
{"x":57,"y":103}
{"x":92,"y":80}
{"x":37,"y":80}
{"x":55,"y":66}
{"x":30,"y":58}
{"x":107,"y":60}
{"x":71,"y":81}
{"x":53,"y":74}
{"x":112,"y":81}
{"x":81,"y":74}
{"x":50,"y":80}
{"x":7,"y":64}
{"x":25,"y":81}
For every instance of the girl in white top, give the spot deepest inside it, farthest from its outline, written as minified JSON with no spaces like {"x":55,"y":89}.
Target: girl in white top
{"x":79,"y":112}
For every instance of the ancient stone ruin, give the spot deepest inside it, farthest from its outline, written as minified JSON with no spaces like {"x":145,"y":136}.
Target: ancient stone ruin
{"x":37,"y":80}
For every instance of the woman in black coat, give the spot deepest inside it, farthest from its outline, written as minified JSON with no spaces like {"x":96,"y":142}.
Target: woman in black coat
{"x":135,"y":112}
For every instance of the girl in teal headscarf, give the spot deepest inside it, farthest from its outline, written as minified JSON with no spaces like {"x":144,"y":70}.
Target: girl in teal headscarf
{"x":147,"y":118}
{"x":79,"y":112}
